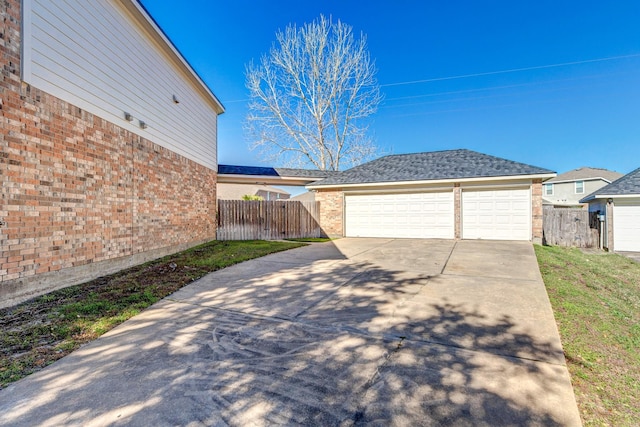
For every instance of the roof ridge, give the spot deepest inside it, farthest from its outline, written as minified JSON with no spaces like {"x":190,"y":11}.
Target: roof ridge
{"x":423,"y":152}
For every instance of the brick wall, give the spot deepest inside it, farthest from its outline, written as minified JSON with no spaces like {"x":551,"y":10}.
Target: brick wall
{"x":331,"y":212}
{"x":78,"y":190}
{"x":536,"y":211}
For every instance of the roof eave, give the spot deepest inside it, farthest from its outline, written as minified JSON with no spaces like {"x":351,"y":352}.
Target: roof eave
{"x":264,"y":179}
{"x":609,"y":196}
{"x":579,"y":179}
{"x":432,"y":181}
{"x":143,"y":17}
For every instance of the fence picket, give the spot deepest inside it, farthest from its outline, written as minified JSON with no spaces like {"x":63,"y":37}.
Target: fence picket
{"x":570,"y":227}
{"x":267,"y":220}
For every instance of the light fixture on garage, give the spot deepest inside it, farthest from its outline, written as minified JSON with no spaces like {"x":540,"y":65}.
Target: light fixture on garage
{"x":127,"y":116}
{"x":176,"y":100}
{"x":143,"y":125}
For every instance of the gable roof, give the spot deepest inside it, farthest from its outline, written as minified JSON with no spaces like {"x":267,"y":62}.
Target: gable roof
{"x":628,"y":185}
{"x":584,"y":174}
{"x":432,"y":166}
{"x":157,"y":34}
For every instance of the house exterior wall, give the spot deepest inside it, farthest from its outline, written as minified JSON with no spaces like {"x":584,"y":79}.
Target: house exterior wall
{"x":537,"y":214}
{"x":96,"y":56}
{"x":607,"y":207}
{"x":331,"y":212}
{"x":565,"y":192}
{"x":83,"y":196}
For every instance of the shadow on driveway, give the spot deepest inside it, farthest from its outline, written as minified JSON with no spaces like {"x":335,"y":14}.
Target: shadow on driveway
{"x":321,"y":335}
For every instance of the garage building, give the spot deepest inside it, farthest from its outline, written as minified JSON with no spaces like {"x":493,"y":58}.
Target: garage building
{"x":459,"y":194}
{"x":620,"y":203}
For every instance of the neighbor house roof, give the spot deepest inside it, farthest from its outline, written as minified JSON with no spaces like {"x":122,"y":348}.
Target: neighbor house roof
{"x":586,"y":174}
{"x":627,"y":186}
{"x":259,"y":174}
{"x":432,"y":166}
{"x":236,"y":191}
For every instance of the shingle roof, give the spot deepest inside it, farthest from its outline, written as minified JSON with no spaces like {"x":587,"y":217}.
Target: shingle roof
{"x":586,"y":173}
{"x":628,"y":185}
{"x":267,"y":171}
{"x":436,"y":165}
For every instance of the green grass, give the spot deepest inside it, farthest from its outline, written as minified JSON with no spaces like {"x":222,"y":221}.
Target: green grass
{"x":596,"y":303}
{"x":40,"y":331}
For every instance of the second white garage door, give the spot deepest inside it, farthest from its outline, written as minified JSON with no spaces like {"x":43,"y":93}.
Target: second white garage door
{"x":626,"y":226}
{"x":410,"y":215}
{"x":496,"y":214}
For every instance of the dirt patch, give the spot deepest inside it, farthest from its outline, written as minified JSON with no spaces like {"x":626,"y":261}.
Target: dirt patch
{"x":40,"y":331}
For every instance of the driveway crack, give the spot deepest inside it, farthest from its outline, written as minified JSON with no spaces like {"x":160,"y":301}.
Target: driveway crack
{"x":359,"y":413}
{"x":444,"y":266}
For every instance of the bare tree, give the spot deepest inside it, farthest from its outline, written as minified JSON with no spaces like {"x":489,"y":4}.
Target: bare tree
{"x":311,"y":95}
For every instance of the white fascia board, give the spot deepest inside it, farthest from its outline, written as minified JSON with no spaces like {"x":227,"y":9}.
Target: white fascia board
{"x":434,"y":181}
{"x":611,"y":196}
{"x":147,"y":22}
{"x":579,"y":179}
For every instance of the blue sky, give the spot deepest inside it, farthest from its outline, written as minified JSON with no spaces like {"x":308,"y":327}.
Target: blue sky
{"x":554,"y":84}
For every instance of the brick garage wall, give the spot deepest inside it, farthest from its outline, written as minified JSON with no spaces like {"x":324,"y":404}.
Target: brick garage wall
{"x":82,"y":197}
{"x":331,"y":212}
{"x":536,"y":211}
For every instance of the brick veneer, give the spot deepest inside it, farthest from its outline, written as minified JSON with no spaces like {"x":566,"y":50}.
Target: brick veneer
{"x":331,"y":212}
{"x":78,"y":190}
{"x":536,"y":211}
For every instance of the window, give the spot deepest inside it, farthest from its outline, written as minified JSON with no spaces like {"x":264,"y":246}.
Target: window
{"x":548,"y":189}
{"x":579,"y":187}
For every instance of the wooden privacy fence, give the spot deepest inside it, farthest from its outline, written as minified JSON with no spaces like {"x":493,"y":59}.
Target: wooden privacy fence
{"x":570,"y":227}
{"x":262,"y":220}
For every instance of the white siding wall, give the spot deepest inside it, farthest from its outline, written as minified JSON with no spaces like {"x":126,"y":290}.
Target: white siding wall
{"x":93,"y":55}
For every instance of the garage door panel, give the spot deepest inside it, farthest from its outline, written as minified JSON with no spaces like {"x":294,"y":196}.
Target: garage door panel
{"x":420,"y":215}
{"x":626,"y":226}
{"x":503,"y":214}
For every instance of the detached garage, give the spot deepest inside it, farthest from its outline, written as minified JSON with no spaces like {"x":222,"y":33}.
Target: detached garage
{"x":445,"y":194}
{"x":499,"y":214}
{"x":620,"y":203}
{"x":412,"y":215}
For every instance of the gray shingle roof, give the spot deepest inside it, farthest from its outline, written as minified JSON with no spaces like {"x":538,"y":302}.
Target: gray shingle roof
{"x":628,"y":185}
{"x":586,"y":173}
{"x":436,"y":165}
{"x":267,"y":171}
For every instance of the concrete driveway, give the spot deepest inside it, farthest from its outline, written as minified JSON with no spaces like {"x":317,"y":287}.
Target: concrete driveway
{"x":352,"y":332}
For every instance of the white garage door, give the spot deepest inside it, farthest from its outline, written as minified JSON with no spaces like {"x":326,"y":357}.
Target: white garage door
{"x":496,"y":214}
{"x":626,"y":226}
{"x":411,"y":215}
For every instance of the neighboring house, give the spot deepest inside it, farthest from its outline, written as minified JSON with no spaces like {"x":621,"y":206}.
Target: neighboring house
{"x":307,"y":196}
{"x":237,"y":191}
{"x":566,"y":189}
{"x":620,"y":203}
{"x":108,"y":144}
{"x":445,"y":194}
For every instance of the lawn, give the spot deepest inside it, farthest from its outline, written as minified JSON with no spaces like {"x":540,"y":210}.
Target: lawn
{"x":40,"y":331}
{"x":596,"y":303}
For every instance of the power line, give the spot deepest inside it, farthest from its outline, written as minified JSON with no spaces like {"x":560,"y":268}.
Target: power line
{"x":513,"y":70}
{"x":488,"y":88}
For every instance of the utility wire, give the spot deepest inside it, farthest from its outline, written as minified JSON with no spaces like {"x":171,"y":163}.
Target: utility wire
{"x":513,"y":70}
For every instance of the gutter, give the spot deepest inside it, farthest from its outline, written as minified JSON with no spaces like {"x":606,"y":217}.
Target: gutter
{"x":431,"y":181}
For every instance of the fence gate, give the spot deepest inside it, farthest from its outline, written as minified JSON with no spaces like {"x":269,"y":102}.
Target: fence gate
{"x":267,"y":220}
{"x":570,"y":227}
